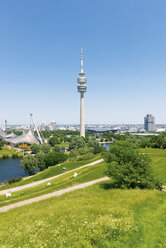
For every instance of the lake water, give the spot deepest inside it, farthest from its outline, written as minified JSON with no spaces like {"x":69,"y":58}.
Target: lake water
{"x":10,"y":168}
{"x":106,"y":145}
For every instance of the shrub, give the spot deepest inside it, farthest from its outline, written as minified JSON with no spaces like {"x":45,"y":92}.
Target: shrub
{"x":14,"y":180}
{"x":5,"y":156}
{"x":85,"y":157}
{"x":74,"y":153}
{"x":15,"y":155}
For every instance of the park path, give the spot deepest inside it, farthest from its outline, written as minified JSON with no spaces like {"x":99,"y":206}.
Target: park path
{"x":53,"y":194}
{"x":47,"y":179}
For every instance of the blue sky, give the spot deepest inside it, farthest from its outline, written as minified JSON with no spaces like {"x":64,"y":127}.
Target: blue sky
{"x":124,"y":44}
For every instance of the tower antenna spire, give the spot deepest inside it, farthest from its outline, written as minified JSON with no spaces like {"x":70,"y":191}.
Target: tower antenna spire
{"x":82,"y":71}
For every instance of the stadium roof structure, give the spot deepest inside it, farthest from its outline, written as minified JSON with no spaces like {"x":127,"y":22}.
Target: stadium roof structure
{"x":27,"y":138}
{"x":5,"y":136}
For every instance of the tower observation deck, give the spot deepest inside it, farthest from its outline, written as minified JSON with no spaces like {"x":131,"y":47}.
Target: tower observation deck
{"x":82,"y":88}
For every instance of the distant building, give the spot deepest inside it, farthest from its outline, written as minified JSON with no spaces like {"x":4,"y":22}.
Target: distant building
{"x":53,"y":125}
{"x":149,"y":123}
{"x":42,"y":126}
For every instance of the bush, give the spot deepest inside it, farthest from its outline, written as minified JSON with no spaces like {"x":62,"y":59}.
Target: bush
{"x":129,"y":168}
{"x":15,"y":155}
{"x":74,"y":153}
{"x":82,"y":151}
{"x":14,"y":180}
{"x":5,"y":156}
{"x":85,"y":157}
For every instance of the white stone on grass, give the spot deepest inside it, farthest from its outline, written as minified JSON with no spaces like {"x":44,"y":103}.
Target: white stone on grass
{"x":48,"y":184}
{"x":75,"y":174}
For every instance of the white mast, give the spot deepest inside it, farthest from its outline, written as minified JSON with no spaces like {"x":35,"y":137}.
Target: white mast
{"x":34,"y":123}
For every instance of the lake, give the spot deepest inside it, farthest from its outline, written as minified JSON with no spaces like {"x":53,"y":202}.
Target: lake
{"x":10,"y":168}
{"x":106,"y":145}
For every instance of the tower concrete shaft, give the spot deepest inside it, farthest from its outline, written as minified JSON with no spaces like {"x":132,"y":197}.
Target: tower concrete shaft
{"x":82,"y":124}
{"x":82,"y":88}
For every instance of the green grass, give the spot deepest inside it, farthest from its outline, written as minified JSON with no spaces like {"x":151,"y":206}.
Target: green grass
{"x":158,"y":161}
{"x":52,"y":171}
{"x":97,"y":216}
{"x":9,"y":152}
{"x":84,"y":175}
{"x":64,"y":144}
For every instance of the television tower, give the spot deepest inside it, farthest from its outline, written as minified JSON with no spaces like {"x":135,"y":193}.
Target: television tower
{"x":82,"y":89}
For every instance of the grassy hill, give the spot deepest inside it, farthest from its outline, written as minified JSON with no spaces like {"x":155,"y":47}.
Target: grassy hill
{"x":53,"y":171}
{"x":158,"y":161}
{"x":97,"y":216}
{"x":84,"y":175}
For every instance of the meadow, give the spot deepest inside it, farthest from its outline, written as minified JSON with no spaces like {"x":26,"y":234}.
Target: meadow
{"x":6,"y":152}
{"x":97,"y":216}
{"x":158,"y":161}
{"x":64,"y":181}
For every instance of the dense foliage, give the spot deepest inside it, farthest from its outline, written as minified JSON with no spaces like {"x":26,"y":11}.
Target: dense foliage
{"x":29,"y":164}
{"x":77,"y":142}
{"x":1,"y":143}
{"x":35,"y":148}
{"x":53,"y":158}
{"x":129,"y":168}
{"x":42,"y":161}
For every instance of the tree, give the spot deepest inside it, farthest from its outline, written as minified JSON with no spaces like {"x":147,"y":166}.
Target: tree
{"x":130,"y":169}
{"x":97,"y":149}
{"x":92,"y":143}
{"x":57,"y":148}
{"x":40,"y":157}
{"x":77,"y":142}
{"x":74,"y":153}
{"x":1,"y":143}
{"x":35,"y":148}
{"x":53,"y":158}
{"x":29,"y":164}
{"x":45,"y":148}
{"x":53,"y":141}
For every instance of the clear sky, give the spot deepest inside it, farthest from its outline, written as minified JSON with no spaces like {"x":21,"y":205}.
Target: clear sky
{"x":124,"y":44}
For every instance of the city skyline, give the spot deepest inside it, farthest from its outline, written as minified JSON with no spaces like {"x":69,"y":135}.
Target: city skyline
{"x":124,"y":46}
